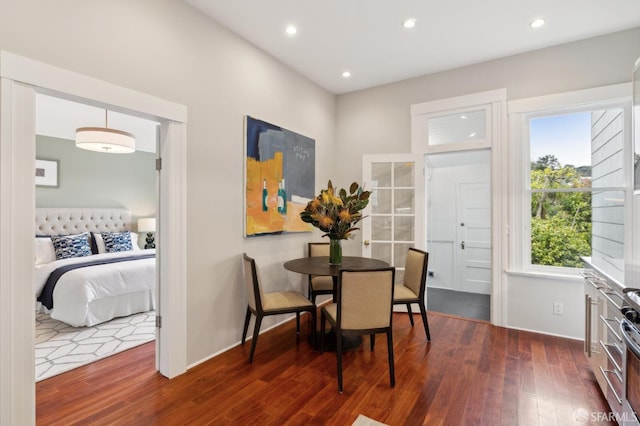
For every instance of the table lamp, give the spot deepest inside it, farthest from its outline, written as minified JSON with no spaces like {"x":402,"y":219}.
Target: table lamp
{"x":148,"y":225}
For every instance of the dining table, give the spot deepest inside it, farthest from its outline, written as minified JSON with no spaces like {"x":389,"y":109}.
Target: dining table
{"x":319,"y":265}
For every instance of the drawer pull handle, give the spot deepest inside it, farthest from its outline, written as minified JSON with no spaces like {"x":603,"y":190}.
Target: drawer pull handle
{"x":606,"y":378}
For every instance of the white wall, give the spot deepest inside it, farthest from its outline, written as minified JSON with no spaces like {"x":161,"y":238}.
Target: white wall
{"x":167,"y":49}
{"x":378,"y":121}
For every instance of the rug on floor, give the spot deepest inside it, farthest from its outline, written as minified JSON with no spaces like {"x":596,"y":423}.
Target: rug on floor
{"x":363,"y":420}
{"x":61,"y":347}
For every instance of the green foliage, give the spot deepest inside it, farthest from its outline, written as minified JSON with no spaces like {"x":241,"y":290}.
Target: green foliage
{"x":560,"y":221}
{"x":553,"y":243}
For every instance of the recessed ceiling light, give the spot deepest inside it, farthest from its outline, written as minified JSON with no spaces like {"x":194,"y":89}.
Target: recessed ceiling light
{"x":409,"y":23}
{"x":472,"y":134}
{"x":537,"y":23}
{"x":463,"y":117}
{"x":291,"y":30}
{"x":346,"y":74}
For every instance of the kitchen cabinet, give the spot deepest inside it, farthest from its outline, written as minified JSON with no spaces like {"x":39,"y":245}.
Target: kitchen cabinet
{"x":603,"y":344}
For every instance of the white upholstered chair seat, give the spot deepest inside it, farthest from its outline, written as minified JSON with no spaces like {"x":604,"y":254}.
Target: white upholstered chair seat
{"x":284,"y":300}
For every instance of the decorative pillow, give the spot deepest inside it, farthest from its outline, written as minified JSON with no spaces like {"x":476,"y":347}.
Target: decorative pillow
{"x":44,"y":250}
{"x":117,"y":241}
{"x":97,"y":238}
{"x":67,"y":246}
{"x":134,"y":241}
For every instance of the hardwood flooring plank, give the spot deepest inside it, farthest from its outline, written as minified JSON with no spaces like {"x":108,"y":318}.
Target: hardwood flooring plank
{"x":471,"y":373}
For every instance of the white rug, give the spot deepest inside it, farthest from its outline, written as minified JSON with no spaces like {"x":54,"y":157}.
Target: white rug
{"x":363,"y":420}
{"x":60,"y":347}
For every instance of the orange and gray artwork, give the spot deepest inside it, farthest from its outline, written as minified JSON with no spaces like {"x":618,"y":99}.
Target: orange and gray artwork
{"x":280,"y":178}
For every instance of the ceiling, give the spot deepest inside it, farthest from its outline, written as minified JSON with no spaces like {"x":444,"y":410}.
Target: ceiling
{"x":60,"y":118}
{"x":367,"y":37}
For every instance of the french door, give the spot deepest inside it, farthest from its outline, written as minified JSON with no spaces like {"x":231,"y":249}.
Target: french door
{"x":395,"y":214}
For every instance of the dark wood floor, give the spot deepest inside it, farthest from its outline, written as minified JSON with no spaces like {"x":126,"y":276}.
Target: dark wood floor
{"x":471,"y":373}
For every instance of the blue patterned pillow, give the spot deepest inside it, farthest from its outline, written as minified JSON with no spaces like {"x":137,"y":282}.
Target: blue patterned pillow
{"x":117,"y":241}
{"x":67,"y":246}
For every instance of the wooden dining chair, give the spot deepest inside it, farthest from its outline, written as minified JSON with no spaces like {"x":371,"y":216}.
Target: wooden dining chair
{"x":413,"y":287}
{"x":319,"y":284}
{"x":263,"y":304}
{"x":364,"y":306}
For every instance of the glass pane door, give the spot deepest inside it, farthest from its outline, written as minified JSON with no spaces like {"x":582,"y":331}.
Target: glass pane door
{"x":394,"y":213}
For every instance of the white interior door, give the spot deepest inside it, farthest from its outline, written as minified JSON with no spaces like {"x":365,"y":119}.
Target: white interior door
{"x":474,"y":237}
{"x":395,"y":214}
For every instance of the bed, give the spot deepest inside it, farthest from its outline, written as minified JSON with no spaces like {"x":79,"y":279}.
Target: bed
{"x":86,"y":286}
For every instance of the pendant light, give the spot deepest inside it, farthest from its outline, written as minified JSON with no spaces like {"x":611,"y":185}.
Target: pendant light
{"x":103,"y":139}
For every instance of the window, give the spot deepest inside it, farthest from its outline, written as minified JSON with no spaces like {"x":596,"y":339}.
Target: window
{"x":575,"y":178}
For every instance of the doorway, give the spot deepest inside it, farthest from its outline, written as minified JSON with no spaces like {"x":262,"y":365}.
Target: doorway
{"x":458,"y":204}
{"x":21,"y":79}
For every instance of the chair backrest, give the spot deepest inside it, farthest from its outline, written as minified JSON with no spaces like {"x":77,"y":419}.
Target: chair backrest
{"x":318,"y":249}
{"x":252,"y":282}
{"x":365,"y":298}
{"x":415,"y":271}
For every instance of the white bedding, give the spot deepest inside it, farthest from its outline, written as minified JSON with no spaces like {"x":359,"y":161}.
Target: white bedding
{"x":91,"y":295}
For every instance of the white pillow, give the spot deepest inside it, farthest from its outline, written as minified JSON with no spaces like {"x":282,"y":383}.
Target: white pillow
{"x":134,"y":241}
{"x":44,"y":250}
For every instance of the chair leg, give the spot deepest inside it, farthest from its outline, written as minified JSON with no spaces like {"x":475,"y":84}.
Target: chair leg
{"x":410,"y":313}
{"x":314,"y":343}
{"x":423,"y":312}
{"x":313,"y":297}
{"x":339,"y":358}
{"x":372,"y":341}
{"x":322,"y":329}
{"x":246,"y":325}
{"x":256,"y":332}
{"x":298,"y":323}
{"x":392,"y":373}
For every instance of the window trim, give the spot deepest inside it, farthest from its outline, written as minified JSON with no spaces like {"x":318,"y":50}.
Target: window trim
{"x":520,"y":112}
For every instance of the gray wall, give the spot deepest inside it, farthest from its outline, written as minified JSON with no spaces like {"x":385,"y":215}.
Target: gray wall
{"x":94,"y":179}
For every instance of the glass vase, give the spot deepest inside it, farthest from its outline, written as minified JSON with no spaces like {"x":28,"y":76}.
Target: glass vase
{"x":335,"y":252}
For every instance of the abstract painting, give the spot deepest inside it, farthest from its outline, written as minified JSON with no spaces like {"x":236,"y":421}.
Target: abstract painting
{"x":279,"y":178}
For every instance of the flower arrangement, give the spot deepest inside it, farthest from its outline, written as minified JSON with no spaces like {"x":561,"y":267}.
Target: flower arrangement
{"x":335,"y":212}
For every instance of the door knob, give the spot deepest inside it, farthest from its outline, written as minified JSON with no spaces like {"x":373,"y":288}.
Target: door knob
{"x":366,"y":243}
{"x":462,"y":245}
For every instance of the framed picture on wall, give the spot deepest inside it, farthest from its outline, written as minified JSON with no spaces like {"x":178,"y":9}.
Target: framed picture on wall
{"x":279,"y":178}
{"x":47,"y":173}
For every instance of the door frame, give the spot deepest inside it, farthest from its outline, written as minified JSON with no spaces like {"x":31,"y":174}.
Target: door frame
{"x":20,"y":79}
{"x":499,"y":184}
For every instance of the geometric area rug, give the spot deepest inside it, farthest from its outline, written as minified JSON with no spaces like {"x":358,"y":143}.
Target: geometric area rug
{"x":61,"y":347}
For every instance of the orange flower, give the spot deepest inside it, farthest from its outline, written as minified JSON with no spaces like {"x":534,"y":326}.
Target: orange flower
{"x":344,"y":216}
{"x":325,"y":222}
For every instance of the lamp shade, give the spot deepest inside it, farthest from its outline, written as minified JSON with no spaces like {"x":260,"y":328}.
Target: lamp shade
{"x":147,"y":224}
{"x":102,"y":139}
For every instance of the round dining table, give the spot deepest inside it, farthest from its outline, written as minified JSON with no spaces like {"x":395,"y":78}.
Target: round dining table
{"x":319,"y":265}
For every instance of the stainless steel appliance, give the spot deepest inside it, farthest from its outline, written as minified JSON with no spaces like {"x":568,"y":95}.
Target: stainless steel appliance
{"x":630,"y":332}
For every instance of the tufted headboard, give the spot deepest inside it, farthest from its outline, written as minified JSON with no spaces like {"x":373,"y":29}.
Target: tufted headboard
{"x":65,"y":221}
